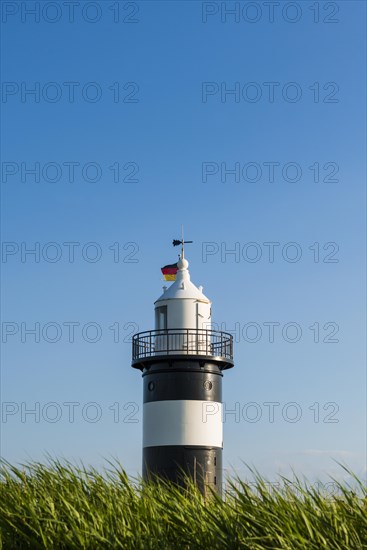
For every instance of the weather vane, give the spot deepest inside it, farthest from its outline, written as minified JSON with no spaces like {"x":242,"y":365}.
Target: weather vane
{"x":181,"y":242}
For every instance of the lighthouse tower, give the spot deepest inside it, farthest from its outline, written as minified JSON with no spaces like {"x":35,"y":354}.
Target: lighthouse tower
{"x":182,"y":362}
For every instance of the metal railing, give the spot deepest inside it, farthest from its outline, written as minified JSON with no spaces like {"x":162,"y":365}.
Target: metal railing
{"x":186,"y":341}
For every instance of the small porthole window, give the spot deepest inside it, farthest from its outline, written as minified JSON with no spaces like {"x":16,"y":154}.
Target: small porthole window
{"x":151,"y":386}
{"x":207,"y":385}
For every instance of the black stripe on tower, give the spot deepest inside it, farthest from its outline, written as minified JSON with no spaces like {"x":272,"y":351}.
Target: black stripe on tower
{"x":202,"y":464}
{"x":182,"y":381}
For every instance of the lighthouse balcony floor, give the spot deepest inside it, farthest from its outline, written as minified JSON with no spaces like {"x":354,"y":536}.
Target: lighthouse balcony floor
{"x":155,"y":345}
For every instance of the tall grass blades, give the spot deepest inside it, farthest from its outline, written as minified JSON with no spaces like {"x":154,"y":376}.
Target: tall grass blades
{"x":58,"y":505}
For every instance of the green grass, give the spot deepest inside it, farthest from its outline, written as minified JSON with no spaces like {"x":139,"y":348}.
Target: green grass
{"x":58,"y":505}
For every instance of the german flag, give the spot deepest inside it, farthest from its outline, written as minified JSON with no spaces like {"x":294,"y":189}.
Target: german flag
{"x":169,"y":272}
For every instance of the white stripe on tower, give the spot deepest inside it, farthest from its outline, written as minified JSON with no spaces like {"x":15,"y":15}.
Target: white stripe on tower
{"x":182,"y":422}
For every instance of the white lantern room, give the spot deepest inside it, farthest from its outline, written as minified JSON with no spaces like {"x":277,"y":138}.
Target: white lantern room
{"x":183,"y":305}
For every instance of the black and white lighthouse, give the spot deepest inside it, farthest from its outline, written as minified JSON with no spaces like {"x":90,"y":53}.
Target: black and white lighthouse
{"x":182,"y":361}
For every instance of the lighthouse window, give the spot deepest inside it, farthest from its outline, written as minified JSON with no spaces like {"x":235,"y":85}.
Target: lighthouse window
{"x":161,"y":318}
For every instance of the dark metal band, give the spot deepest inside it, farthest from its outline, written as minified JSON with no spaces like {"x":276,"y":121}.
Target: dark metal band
{"x":202,"y":464}
{"x":168,"y":385}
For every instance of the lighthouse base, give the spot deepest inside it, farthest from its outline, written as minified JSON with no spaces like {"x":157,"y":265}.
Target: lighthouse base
{"x":202,"y":464}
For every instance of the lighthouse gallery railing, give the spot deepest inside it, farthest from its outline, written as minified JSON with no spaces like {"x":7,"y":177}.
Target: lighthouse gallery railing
{"x":211,"y":343}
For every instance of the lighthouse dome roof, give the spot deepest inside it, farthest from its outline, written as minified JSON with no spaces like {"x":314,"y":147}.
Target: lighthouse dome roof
{"x":183,"y":288}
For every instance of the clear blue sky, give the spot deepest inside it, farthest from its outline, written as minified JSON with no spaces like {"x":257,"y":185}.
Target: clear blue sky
{"x":171,"y":125}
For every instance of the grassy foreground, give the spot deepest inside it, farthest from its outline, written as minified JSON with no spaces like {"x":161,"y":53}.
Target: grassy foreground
{"x":59,"y":505}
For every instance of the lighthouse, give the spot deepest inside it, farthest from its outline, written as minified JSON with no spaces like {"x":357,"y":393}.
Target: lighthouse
{"x":182,"y":362}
